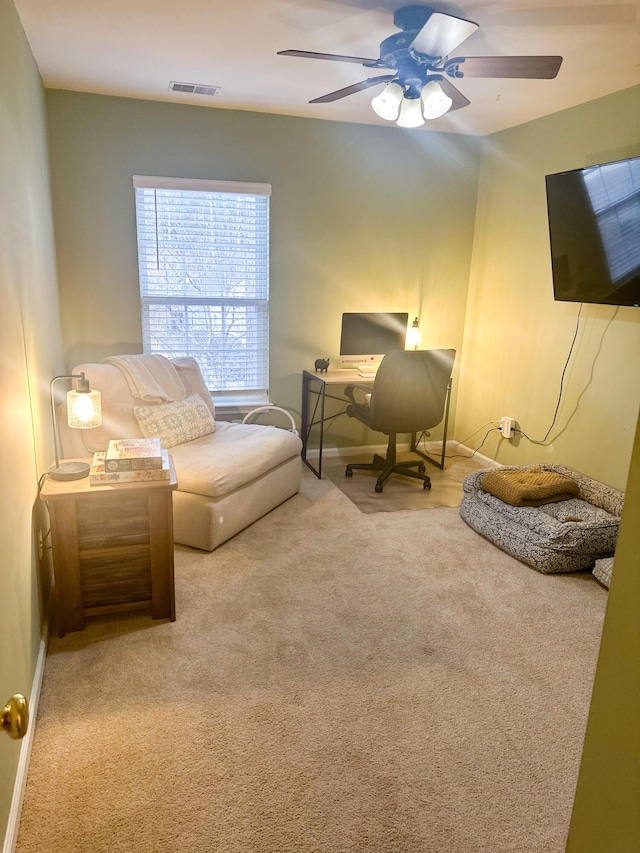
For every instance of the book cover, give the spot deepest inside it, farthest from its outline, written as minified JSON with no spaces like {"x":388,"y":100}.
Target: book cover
{"x":133,"y":454}
{"x":99,"y":476}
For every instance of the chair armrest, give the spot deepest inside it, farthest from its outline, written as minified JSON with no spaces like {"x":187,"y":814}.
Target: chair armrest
{"x":350,"y":392}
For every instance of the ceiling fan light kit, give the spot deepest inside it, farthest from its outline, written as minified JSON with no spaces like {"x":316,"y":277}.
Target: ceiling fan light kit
{"x":420,"y":86}
{"x":411,"y":109}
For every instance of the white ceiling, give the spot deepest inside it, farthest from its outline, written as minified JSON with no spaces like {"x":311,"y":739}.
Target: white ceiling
{"x":134,"y":48}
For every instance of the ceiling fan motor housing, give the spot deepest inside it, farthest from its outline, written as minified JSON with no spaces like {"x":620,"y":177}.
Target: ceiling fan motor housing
{"x":394,"y":51}
{"x":413,"y":71}
{"x":412,"y":17}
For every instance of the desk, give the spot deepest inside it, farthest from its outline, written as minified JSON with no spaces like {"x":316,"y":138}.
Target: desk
{"x":112,"y":548}
{"x":314,"y":389}
{"x":314,"y":395}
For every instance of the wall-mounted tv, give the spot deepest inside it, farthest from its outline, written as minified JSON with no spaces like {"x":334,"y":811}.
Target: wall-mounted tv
{"x":594,"y":228}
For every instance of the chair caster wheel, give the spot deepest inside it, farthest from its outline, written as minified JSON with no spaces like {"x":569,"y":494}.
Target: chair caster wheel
{"x":426,"y":485}
{"x":378,"y":487}
{"x":348,"y":472}
{"x":421,"y":468}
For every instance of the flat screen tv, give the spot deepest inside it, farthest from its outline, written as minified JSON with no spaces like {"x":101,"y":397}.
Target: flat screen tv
{"x":366,"y":338}
{"x":594,"y":228}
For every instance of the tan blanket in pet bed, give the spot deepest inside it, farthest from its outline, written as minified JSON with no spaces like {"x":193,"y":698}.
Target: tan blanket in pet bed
{"x":530,"y":486}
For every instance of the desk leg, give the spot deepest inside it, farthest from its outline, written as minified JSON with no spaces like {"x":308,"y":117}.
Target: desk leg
{"x":307,"y":421}
{"x":414,"y":447}
{"x":305,"y":427}
{"x":321,"y":442}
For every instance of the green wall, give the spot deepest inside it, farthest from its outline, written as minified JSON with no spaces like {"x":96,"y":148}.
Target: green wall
{"x":516,"y":337}
{"x":606,"y":816}
{"x":363,"y":218}
{"x":30,"y":349}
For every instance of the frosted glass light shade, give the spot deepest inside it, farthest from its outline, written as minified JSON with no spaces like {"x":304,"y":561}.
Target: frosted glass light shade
{"x":411,"y":113}
{"x":434,"y":101}
{"x":84,"y":409}
{"x":387,"y":103}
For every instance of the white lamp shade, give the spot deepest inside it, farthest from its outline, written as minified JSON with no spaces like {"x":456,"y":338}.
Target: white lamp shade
{"x":387,"y":103}
{"x":434,"y":101}
{"x":84,"y":409}
{"x":411,"y":113}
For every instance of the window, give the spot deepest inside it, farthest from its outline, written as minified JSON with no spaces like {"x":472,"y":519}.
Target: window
{"x":203,"y":259}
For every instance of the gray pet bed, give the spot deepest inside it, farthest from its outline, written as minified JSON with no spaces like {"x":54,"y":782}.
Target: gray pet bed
{"x":540,"y":536}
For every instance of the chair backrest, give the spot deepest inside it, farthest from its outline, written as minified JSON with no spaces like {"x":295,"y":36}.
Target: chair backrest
{"x":410,"y":390}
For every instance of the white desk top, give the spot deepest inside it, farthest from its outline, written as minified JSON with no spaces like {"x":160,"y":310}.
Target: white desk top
{"x":342,"y":377}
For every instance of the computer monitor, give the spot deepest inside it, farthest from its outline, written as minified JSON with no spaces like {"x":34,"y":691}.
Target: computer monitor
{"x":366,"y":338}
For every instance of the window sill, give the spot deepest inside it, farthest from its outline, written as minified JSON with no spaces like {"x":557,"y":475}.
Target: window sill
{"x":235,"y":408}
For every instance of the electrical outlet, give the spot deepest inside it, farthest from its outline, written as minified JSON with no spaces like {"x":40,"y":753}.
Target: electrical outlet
{"x":507,"y":425}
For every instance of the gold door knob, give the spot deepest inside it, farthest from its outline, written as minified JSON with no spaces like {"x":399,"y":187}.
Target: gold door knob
{"x":15,"y":716}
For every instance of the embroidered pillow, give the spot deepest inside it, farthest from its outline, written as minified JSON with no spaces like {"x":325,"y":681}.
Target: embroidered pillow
{"x":177,"y":422}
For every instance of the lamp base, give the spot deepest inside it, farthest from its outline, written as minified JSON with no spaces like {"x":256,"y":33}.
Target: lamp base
{"x":69,"y":471}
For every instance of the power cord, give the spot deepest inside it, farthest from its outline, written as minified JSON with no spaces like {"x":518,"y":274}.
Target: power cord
{"x":44,"y":537}
{"x":543,"y":441}
{"x":424,"y":435}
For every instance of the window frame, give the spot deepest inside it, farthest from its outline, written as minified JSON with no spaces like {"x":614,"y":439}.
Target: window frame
{"x":236,"y":399}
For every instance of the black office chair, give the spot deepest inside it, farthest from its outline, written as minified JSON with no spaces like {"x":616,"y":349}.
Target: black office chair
{"x":409,"y":395}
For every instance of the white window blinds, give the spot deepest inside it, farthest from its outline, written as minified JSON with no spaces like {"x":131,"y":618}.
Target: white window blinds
{"x":203,"y":258}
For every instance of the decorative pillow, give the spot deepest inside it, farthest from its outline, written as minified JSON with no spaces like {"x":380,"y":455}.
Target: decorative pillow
{"x":177,"y":422}
{"x":603,"y":571}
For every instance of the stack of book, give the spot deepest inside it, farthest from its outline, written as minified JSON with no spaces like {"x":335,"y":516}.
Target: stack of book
{"x":130,"y":460}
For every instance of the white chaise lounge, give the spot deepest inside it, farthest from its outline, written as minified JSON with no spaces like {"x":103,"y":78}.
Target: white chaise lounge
{"x":227,"y":478}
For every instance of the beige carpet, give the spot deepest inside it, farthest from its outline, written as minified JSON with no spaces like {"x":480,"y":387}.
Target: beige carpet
{"x":401,"y":492}
{"x":335,"y":681}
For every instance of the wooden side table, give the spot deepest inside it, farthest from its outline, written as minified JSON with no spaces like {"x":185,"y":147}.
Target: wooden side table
{"x":112,"y":548}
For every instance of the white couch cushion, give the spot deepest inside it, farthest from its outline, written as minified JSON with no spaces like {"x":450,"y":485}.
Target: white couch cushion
{"x":176,"y":422}
{"x":233,"y":455}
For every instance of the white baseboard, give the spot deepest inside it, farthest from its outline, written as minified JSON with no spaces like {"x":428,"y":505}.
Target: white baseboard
{"x":486,"y":461}
{"x":13,"y":824}
{"x":434,"y":448}
{"x":353,"y":451}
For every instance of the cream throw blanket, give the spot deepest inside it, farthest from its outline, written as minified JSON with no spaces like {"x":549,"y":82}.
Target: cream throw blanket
{"x":152,"y":378}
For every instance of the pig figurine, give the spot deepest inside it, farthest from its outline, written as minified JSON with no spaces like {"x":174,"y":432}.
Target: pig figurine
{"x":322,"y":365}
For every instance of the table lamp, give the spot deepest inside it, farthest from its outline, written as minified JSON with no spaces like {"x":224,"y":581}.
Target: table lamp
{"x":84,"y":411}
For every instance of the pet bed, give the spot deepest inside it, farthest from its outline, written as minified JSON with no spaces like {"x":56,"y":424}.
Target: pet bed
{"x":563,"y":535}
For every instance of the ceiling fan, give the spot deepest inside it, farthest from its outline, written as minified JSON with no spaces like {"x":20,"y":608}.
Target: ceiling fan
{"x":420,"y":86}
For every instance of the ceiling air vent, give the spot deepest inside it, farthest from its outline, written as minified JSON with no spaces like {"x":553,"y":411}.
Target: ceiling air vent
{"x":194,"y":88}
